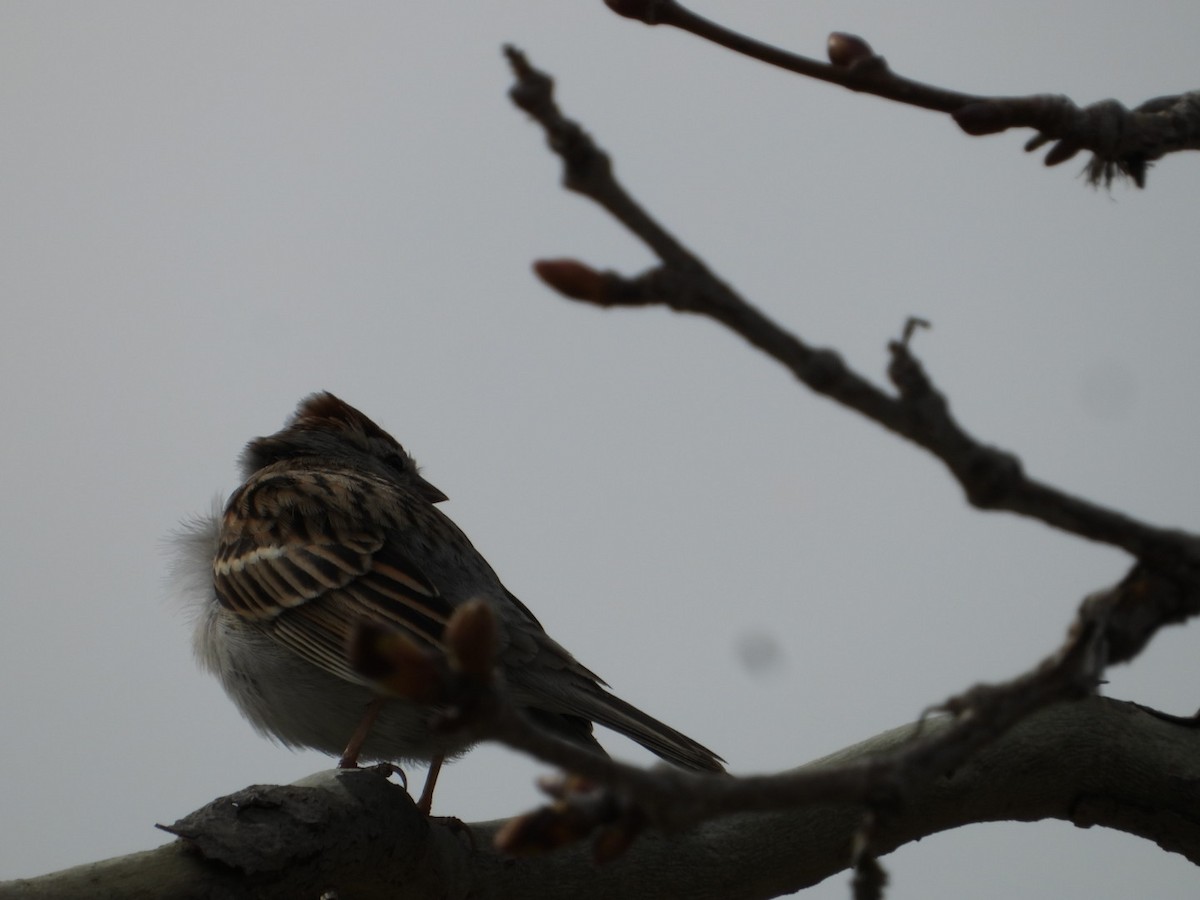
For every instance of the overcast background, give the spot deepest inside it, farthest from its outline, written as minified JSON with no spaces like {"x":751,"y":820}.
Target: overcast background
{"x":212,"y":209}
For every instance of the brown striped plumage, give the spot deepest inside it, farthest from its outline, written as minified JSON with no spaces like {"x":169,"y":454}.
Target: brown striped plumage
{"x":334,"y":527}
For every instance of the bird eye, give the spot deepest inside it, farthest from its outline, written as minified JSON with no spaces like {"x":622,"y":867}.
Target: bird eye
{"x":397,"y":461}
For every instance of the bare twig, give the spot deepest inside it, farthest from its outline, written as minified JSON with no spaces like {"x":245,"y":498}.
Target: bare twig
{"x":621,"y":799}
{"x":992,"y":478}
{"x":859,"y":71}
{"x":1123,"y":141}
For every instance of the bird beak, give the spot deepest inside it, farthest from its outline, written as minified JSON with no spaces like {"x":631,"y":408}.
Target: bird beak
{"x":429,"y":492}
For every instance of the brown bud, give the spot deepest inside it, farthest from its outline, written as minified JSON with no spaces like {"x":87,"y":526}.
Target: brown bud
{"x":471,"y":639}
{"x":847,"y":49}
{"x":644,"y":10}
{"x":571,"y":278}
{"x":398,"y":665}
{"x":562,"y":785}
{"x":540,"y":831}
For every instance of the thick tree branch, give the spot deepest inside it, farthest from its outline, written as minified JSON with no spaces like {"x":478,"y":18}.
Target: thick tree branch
{"x":1123,"y":141}
{"x":1097,"y":762}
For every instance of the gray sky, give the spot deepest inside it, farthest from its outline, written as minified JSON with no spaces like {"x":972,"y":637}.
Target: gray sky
{"x":212,"y":209}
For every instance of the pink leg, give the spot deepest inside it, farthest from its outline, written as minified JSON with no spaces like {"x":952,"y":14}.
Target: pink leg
{"x":349,"y":758}
{"x":425,"y":804}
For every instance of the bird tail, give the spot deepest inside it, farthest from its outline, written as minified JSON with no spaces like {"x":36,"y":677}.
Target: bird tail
{"x":662,"y":740}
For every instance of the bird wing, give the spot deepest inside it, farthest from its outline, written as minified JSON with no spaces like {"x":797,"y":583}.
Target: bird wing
{"x":309,"y":555}
{"x":306,"y":555}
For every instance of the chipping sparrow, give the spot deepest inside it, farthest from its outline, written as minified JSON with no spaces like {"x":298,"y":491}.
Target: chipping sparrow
{"x":333,"y":527}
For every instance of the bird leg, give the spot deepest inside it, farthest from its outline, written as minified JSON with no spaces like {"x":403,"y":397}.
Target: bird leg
{"x":349,"y":758}
{"x":425,"y":804}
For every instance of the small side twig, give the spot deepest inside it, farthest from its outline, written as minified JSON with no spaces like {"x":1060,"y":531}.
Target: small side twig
{"x":1123,"y":141}
{"x":619,"y":800}
{"x":990,"y":477}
